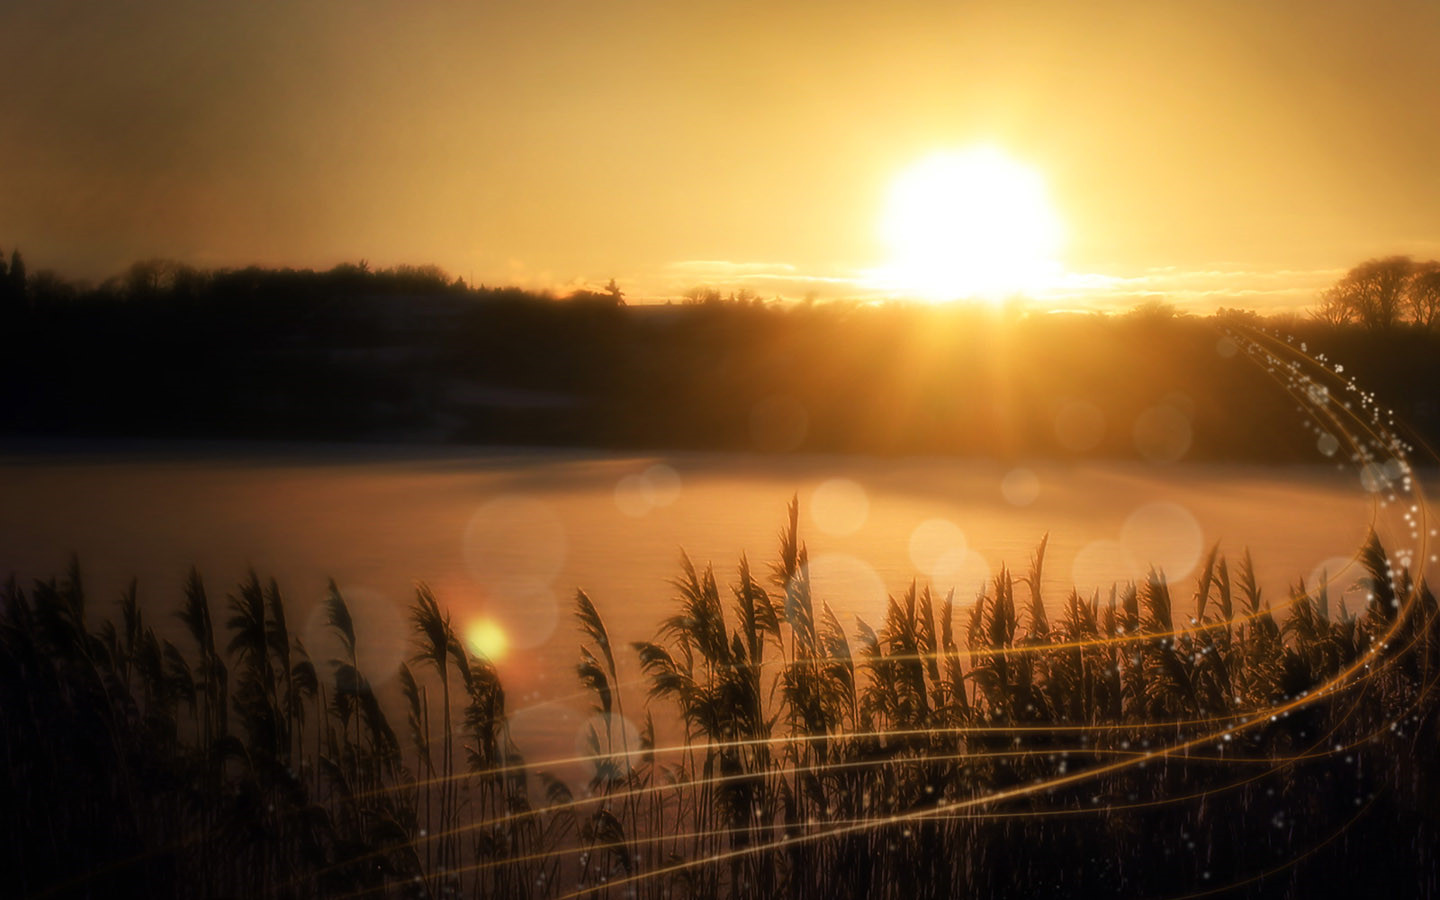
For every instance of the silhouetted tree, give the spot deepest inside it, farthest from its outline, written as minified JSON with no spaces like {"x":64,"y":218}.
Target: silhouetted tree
{"x":615,"y":293}
{"x":12,"y":282}
{"x":47,"y":288}
{"x":144,"y":278}
{"x":609,"y":298}
{"x":703,"y":295}
{"x":1333,"y":310}
{"x":1423,"y":293}
{"x":1153,"y":310}
{"x":1372,"y":293}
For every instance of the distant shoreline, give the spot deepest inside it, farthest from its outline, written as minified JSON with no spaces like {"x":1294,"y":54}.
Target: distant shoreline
{"x":149,"y":451}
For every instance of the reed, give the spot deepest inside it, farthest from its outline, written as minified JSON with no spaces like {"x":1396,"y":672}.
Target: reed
{"x":1122,"y":742}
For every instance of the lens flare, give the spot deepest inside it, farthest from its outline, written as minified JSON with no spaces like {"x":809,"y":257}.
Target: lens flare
{"x":486,"y":638}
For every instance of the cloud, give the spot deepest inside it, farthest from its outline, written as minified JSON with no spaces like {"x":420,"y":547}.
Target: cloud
{"x":728,"y":269}
{"x":769,"y":278}
{"x":1200,"y":288}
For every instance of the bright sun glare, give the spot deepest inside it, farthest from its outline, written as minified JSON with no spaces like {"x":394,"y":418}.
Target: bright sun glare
{"x":486,"y":638}
{"x":970,"y":224}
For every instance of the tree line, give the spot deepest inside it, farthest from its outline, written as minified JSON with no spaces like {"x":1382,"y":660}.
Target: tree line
{"x":411,"y":354}
{"x":160,"y":280}
{"x":1377,"y":293}
{"x":1384,"y":293}
{"x":13,"y":282}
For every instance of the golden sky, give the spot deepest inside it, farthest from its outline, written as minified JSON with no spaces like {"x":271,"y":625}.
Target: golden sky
{"x":1235,"y":153}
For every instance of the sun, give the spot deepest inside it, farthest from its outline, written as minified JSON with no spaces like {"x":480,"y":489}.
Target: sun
{"x":486,"y":638}
{"x":970,"y":224}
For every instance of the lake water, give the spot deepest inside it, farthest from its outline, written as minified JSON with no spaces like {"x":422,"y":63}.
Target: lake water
{"x":506,"y":538}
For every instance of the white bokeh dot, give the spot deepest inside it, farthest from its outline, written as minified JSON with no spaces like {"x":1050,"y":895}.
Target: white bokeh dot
{"x":382,"y":633}
{"x":846,"y":581}
{"x":1162,"y":434}
{"x":631,"y":496}
{"x":839,"y":506}
{"x":1101,"y":564}
{"x":662,"y":484}
{"x":1338,"y":573}
{"x":965,"y":571}
{"x":1020,"y":487}
{"x":1165,"y":536}
{"x":934,"y":539}
{"x":514,"y":543}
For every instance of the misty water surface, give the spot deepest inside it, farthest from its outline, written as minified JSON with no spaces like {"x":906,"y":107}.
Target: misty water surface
{"x":508,"y":537}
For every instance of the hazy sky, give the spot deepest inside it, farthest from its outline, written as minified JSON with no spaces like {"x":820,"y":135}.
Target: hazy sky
{"x":1221,"y":152}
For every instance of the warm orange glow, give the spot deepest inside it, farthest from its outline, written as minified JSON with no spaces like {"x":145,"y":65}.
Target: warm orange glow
{"x":1219,"y":154}
{"x":485,"y":637}
{"x":970,"y":224}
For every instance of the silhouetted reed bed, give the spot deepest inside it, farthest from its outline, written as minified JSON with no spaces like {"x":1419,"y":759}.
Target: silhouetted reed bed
{"x":1150,"y":741}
